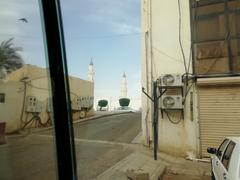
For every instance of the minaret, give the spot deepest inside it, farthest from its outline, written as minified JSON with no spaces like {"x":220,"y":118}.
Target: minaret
{"x":90,"y":71}
{"x":124,"y":86}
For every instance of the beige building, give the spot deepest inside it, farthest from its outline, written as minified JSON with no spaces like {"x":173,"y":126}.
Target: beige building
{"x":211,"y":108}
{"x":26,"y":99}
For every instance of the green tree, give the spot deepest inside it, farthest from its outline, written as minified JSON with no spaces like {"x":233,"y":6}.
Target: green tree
{"x":124,"y":102}
{"x":102,"y":103}
{"x":10,"y":59}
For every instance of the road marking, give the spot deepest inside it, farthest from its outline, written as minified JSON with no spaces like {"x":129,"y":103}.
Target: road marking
{"x":91,"y":141}
{"x":101,"y":142}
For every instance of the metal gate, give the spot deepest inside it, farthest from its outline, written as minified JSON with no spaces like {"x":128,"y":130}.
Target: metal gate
{"x":219,"y":113}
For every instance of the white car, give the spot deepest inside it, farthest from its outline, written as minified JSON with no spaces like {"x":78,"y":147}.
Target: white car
{"x":226,"y":160}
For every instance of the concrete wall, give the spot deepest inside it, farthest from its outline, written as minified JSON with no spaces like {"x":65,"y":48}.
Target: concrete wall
{"x":37,"y":85}
{"x":161,"y":54}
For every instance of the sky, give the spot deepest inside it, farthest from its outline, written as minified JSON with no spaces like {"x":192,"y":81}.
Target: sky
{"x":108,"y":31}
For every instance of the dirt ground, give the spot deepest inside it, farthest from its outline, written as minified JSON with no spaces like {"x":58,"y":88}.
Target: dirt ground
{"x":169,"y":176}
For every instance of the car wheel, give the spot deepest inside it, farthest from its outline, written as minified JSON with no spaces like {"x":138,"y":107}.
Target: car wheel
{"x":213,"y":177}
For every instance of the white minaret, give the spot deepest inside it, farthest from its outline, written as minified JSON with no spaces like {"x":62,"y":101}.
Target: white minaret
{"x":90,"y":72}
{"x":124,"y":86}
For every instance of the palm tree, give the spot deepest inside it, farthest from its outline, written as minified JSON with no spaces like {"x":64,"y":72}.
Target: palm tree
{"x":10,"y":59}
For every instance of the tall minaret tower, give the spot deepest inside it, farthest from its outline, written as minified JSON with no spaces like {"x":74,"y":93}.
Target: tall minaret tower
{"x":90,"y":72}
{"x":124,"y":86}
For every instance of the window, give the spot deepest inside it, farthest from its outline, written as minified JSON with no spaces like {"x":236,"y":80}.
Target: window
{"x":2,"y":97}
{"x":227,"y":155}
{"x":221,"y":149}
{"x":33,"y":105}
{"x":216,"y":48}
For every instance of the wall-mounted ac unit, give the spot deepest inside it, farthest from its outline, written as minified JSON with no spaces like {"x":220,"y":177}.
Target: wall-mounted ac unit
{"x":171,"y":102}
{"x":33,"y":104}
{"x":86,"y":102}
{"x":75,"y":107}
{"x":171,"y":80}
{"x":76,"y":104}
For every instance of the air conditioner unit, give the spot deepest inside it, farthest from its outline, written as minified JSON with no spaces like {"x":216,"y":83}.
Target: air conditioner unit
{"x":33,"y":104}
{"x":168,"y":80}
{"x":76,"y":104}
{"x":86,"y":102}
{"x":171,"y":102}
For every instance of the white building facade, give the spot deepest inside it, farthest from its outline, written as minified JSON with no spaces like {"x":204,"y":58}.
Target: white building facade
{"x":27,"y":94}
{"x":168,"y":38}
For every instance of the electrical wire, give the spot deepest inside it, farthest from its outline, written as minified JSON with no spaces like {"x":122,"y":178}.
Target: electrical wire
{"x":28,"y":122}
{"x":165,"y":54}
{"x":180,"y":35}
{"x":189,"y":59}
{"x":169,"y":118}
{"x":37,"y":120}
{"x":49,"y":119}
{"x":47,"y":89}
{"x":40,"y":123}
{"x":185,"y":95}
{"x":74,"y":94}
{"x":106,"y":36}
{"x":146,"y":121}
{"x":217,"y":58}
{"x":146,"y":61}
{"x":23,"y":103}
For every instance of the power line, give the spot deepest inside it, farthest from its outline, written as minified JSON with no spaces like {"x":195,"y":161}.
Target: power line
{"x":189,"y":59}
{"x":106,"y":36}
{"x":169,"y":56}
{"x":79,"y":37}
{"x":47,"y":89}
{"x":180,"y":35}
{"x":20,"y":36}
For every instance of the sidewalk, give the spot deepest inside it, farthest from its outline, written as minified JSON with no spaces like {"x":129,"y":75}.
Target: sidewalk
{"x":185,"y":167}
{"x":140,"y":166}
{"x":136,"y":166}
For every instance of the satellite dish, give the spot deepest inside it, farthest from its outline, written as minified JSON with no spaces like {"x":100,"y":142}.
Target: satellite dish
{"x":168,"y":80}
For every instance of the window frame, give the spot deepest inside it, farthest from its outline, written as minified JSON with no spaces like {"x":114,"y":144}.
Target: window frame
{"x":222,"y":152}
{"x":230,"y":58}
{"x":56,"y":59}
{"x":225,"y":151}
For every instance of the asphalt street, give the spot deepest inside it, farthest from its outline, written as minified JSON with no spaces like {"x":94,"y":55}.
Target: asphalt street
{"x":119,"y":128}
{"x":99,"y":144}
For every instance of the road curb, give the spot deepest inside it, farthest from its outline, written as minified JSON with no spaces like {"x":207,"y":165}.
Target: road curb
{"x":74,"y":122}
{"x":99,"y":116}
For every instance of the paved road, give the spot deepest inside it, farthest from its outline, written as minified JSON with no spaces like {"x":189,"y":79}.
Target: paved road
{"x":99,"y":145}
{"x":119,"y":128}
